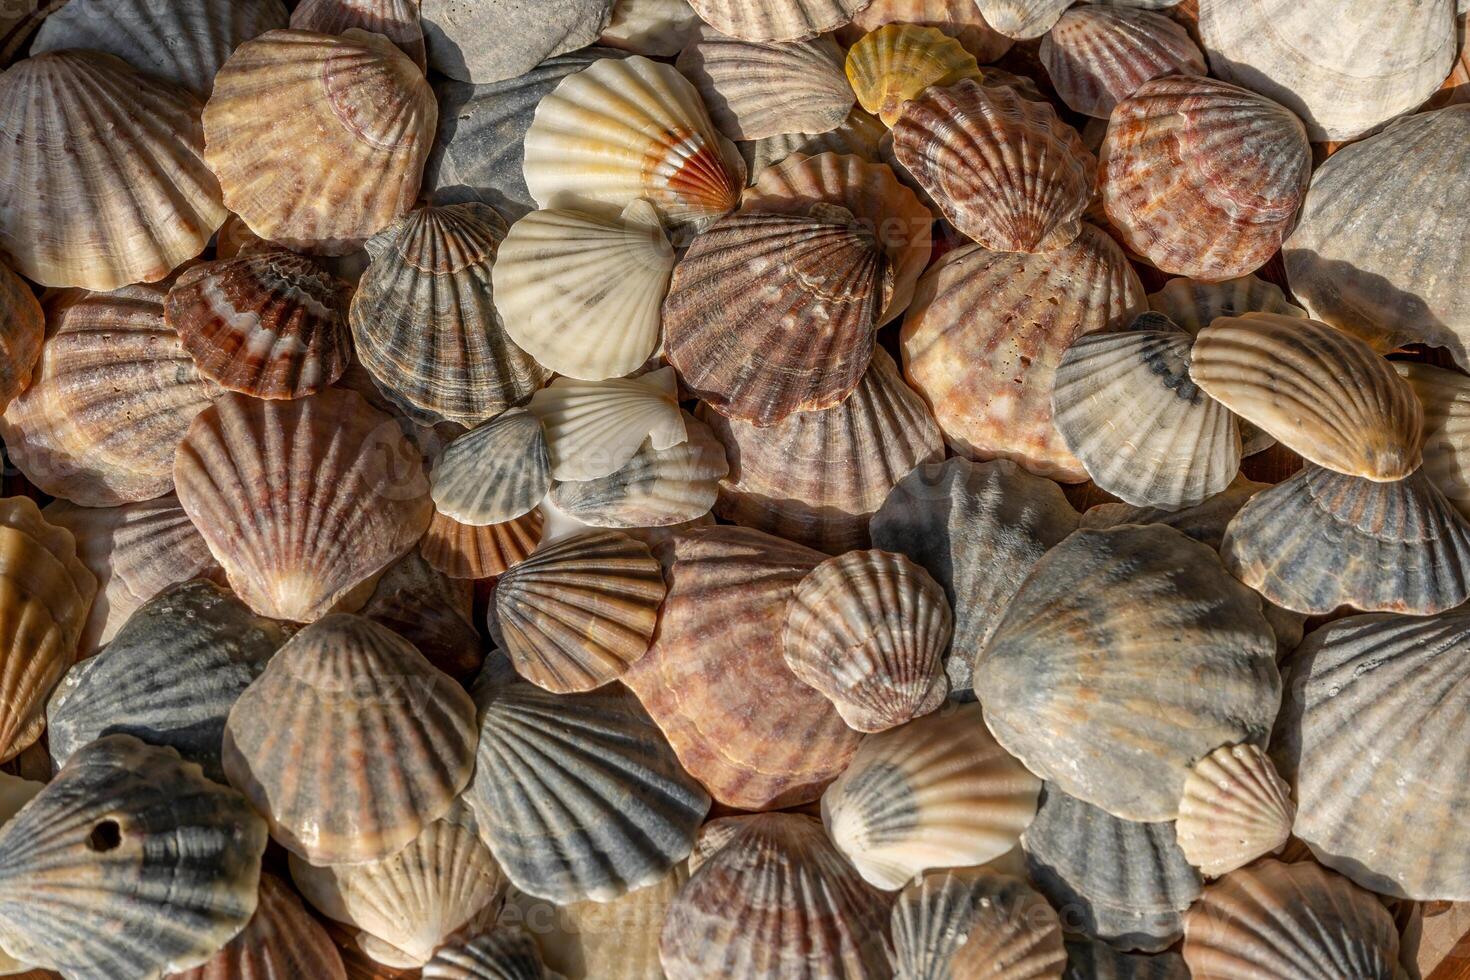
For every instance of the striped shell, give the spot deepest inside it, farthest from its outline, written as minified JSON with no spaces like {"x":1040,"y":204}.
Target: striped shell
{"x":282,"y":941}
{"x":950,"y":925}
{"x":897,"y":62}
{"x":858,"y":136}
{"x":397,"y":20}
{"x":593,"y":428}
{"x":960,"y":19}
{"x":1022,"y":19}
{"x":1234,"y":809}
{"x":430,"y":610}
{"x":467,"y":551}
{"x":753,"y":90}
{"x":1194,"y":304}
{"x":502,"y":953}
{"x":1097,"y":56}
{"x":486,"y":42}
{"x":1445,"y":396}
{"x":493,"y":473}
{"x":776,"y":20}
{"x":22,"y":330}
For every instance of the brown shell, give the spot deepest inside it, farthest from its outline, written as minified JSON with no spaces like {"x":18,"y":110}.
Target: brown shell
{"x":1097,"y":55}
{"x":1194,"y":304}
{"x":281,"y":942}
{"x":960,"y":19}
{"x":22,"y":329}
{"x":397,"y":20}
{"x":432,"y":611}
{"x":464,"y":551}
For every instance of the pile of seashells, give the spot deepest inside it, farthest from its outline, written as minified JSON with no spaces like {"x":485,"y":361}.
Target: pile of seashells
{"x":754,"y":489}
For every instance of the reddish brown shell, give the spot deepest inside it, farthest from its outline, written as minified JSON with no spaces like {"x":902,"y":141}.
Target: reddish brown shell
{"x":281,"y":942}
{"x":1098,"y":55}
{"x":465,"y":551}
{"x":22,"y":328}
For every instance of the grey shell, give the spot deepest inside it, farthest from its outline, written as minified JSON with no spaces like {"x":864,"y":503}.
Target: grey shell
{"x":493,"y":473}
{"x":502,"y":953}
{"x":490,"y":40}
{"x":1090,"y":959}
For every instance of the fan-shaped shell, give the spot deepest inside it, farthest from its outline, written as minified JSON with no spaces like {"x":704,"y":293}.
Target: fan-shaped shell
{"x":486,"y":42}
{"x":282,"y":941}
{"x":22,"y":330}
{"x":502,"y":953}
{"x":859,"y":135}
{"x":1098,"y":56}
{"x":949,"y":925}
{"x":465,"y":551}
{"x":1194,"y":304}
{"x":128,"y":864}
{"x":1445,"y":396}
{"x":1235,"y":808}
{"x":776,"y":20}
{"x":494,"y":473}
{"x":754,"y":90}
{"x":430,"y":610}
{"x":897,"y":62}
{"x":657,"y":28}
{"x":774,"y":899}
{"x":397,"y":20}
{"x":1022,"y":19}
{"x":960,"y":19}
{"x":350,"y":742}
{"x":593,"y":428}
{"x":301,"y":501}
{"x":1092,"y":959}
{"x":319,"y":140}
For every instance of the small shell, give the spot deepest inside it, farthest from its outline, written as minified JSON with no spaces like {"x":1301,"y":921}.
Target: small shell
{"x":960,"y":19}
{"x":1022,"y":19}
{"x":22,"y":329}
{"x":502,"y":953}
{"x":869,"y":630}
{"x":1234,"y":809}
{"x":1092,"y":959}
{"x":754,"y":90}
{"x":1098,"y":56}
{"x":492,"y":41}
{"x":656,"y":28}
{"x":897,"y":62}
{"x":282,"y":941}
{"x":350,"y":742}
{"x":465,"y":551}
{"x":494,"y":473}
{"x":432,"y":611}
{"x":1194,"y":304}
{"x":776,"y":20}
{"x":593,"y":428}
{"x":397,"y":20}
{"x":858,"y":135}
{"x":950,"y":925}
{"x":319,"y":140}
{"x":1445,"y":396}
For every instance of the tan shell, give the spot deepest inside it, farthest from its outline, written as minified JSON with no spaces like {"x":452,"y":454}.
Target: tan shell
{"x":1022,"y":19}
{"x":22,"y":329}
{"x":432,"y":611}
{"x":1194,"y":304}
{"x":776,"y":20}
{"x":1445,"y":396}
{"x":593,"y":428}
{"x":960,"y":19}
{"x":464,"y":551}
{"x":1097,"y":56}
{"x":656,"y":28}
{"x":897,"y":62}
{"x":1234,"y":809}
{"x":858,"y":135}
{"x":953,"y":925}
{"x":281,"y":941}
{"x":397,"y":20}
{"x":754,"y":90}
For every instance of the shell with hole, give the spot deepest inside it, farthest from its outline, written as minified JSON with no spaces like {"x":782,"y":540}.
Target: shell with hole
{"x":487,"y":42}
{"x":955,"y":924}
{"x":897,"y":62}
{"x":22,"y":331}
{"x":776,"y":20}
{"x":753,"y":90}
{"x":1194,"y":304}
{"x":501,"y":953}
{"x":593,"y":428}
{"x":1022,"y":19}
{"x":493,"y":473}
{"x":1096,"y":56}
{"x":397,"y":20}
{"x":1445,"y":396}
{"x":281,"y":940}
{"x":960,"y":19}
{"x":1235,"y":808}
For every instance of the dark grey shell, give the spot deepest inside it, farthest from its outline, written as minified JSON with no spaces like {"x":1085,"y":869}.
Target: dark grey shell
{"x":502,"y":953}
{"x":493,"y":473}
{"x":949,"y":923}
{"x":1089,"y":959}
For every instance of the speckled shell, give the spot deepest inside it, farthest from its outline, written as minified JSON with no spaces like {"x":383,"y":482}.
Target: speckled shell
{"x":1022,"y":19}
{"x":1445,"y":396}
{"x":858,"y":135}
{"x":502,"y":953}
{"x":1004,"y":169}
{"x":128,"y":864}
{"x":773,"y":898}
{"x":465,"y":551}
{"x":1097,"y":56}
{"x":494,"y":473}
{"x":978,"y":528}
{"x":1343,"y":71}
{"x":754,"y":90}
{"x":1275,"y":921}
{"x":987,"y":331}
{"x":579,"y":796}
{"x":953,"y":925}
{"x":897,"y":62}
{"x":869,"y":630}
{"x":485,"y":42}
{"x":960,"y":19}
{"x":430,"y":610}
{"x":1235,"y":808}
{"x":281,"y":942}
{"x":22,"y":329}
{"x":1092,"y":959}
{"x":770,"y":740}
{"x":350,"y":742}
{"x":593,"y":428}
{"x":656,"y":28}
{"x":319,"y":140}
{"x":817,"y":477}
{"x":1321,"y":392}
{"x":397,"y":20}
{"x":1111,"y":619}
{"x":776,"y":20}
{"x":1203,"y":178}
{"x":1194,"y":304}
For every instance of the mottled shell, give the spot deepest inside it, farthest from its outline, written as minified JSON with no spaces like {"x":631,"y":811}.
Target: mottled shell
{"x":1235,"y":808}
{"x":432,"y":611}
{"x":22,"y":329}
{"x":319,"y":140}
{"x":502,"y":953}
{"x":769,"y":740}
{"x":281,"y":942}
{"x":859,"y":135}
{"x":128,"y":864}
{"x":753,"y":90}
{"x":1194,"y":304}
{"x":657,"y":28}
{"x":776,"y":20}
{"x":897,"y":62}
{"x":397,"y":20}
{"x":1092,"y":959}
{"x":593,"y":428}
{"x":987,"y":331}
{"x":1022,"y":19}
{"x":774,"y":898}
{"x":493,"y":473}
{"x":486,"y":42}
{"x":951,"y":925}
{"x":350,"y":742}
{"x":1202,"y":178}
{"x":1097,"y":56}
{"x":1445,"y":396}
{"x":960,"y":19}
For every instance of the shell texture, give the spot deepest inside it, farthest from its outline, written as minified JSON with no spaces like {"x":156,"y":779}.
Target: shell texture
{"x":1097,"y":56}
{"x":22,"y":330}
{"x":502,"y":953}
{"x":1235,"y":808}
{"x":430,"y":610}
{"x":493,"y":473}
{"x":498,"y":39}
{"x":776,"y":20}
{"x":858,"y":135}
{"x":1092,"y":959}
{"x":1194,"y":304}
{"x":593,"y":428}
{"x":1445,"y":396}
{"x":1022,"y":19}
{"x":948,"y":925}
{"x":397,"y":20}
{"x":753,"y":90}
{"x":467,"y":551}
{"x":897,"y":62}
{"x":281,"y":942}
{"x":960,"y":19}
{"x":656,"y":28}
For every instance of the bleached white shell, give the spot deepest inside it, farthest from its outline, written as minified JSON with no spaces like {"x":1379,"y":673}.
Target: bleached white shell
{"x":493,"y":473}
{"x":1235,"y":808}
{"x":593,"y":428}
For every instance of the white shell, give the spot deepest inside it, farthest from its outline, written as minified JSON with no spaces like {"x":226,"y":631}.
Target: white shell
{"x":593,"y":428}
{"x":1022,"y":19}
{"x":1235,"y":808}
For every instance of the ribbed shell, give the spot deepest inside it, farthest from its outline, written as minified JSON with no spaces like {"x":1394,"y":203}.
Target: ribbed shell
{"x":1098,"y":56}
{"x":767,"y":740}
{"x":988,"y":329}
{"x":1111,"y":620}
{"x":579,"y":796}
{"x":593,"y":428}
{"x":1022,"y":19}
{"x":1321,"y":392}
{"x":775,"y":900}
{"x":1004,"y":169}
{"x":128,"y":864}
{"x":960,"y":19}
{"x":430,"y":610}
{"x":952,"y":925}
{"x":465,"y":551}
{"x":897,"y":62}
{"x":493,"y":473}
{"x":753,"y":90}
{"x":818,"y":477}
{"x":319,"y":140}
{"x":350,"y":742}
{"x":1445,"y":396}
{"x":1194,"y":304}
{"x":776,"y":20}
{"x":281,"y":942}
{"x":858,"y":135}
{"x":22,"y":329}
{"x":1092,"y":959}
{"x":397,"y":20}
{"x":301,"y":501}
{"x":484,"y":42}
{"x":502,"y":953}
{"x":1203,"y":178}
{"x":1235,"y":808}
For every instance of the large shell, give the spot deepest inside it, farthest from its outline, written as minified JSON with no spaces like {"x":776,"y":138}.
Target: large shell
{"x":128,"y":864}
{"x":319,"y":140}
{"x":988,"y":329}
{"x":1445,"y":396}
{"x":1109,"y":620}
{"x":350,"y":742}
{"x":1004,"y":169}
{"x":495,"y":472}
{"x":282,"y":942}
{"x":397,"y":20}
{"x":960,"y":19}
{"x":1235,"y":808}
{"x":22,"y":330}
{"x":1093,"y":959}
{"x":1022,"y":19}
{"x":953,"y":925}
{"x":1194,"y":304}
{"x":593,"y":428}
{"x":754,"y":90}
{"x":486,"y":42}
{"x":1203,"y":178}
{"x":301,"y":501}
{"x":768,"y":740}
{"x":503,"y":953}
{"x":467,"y":551}
{"x":773,"y":899}
{"x":776,"y":20}
{"x":1097,"y":56}
{"x":897,"y":62}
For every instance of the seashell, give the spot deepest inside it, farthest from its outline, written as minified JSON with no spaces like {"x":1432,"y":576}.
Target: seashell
{"x":1321,"y":392}
{"x":578,"y":795}
{"x":1004,"y":169}
{"x":987,"y":330}
{"x":624,"y":129}
{"x":1203,"y":178}
{"x":1126,"y":407}
{"x":493,"y":473}
{"x":578,"y":611}
{"x":956,"y":924}
{"x":498,"y":40}
{"x":397,"y":20}
{"x":769,"y":741}
{"x":294,"y":554}
{"x":282,"y":940}
{"x":869,"y":630}
{"x":858,"y":135}
{"x":128,"y":864}
{"x":656,"y":28}
{"x":407,"y":904}
{"x":593,"y":428}
{"x":1445,"y":396}
{"x":938,"y":792}
{"x":1193,"y":304}
{"x":960,"y":19}
{"x":350,"y":742}
{"x":753,"y":89}
{"x":1375,"y":251}
{"x":1275,"y":920}
{"x":775,"y":899}
{"x":1079,"y":646}
{"x":817,"y":477}
{"x":1234,"y":809}
{"x":776,"y":20}
{"x":1022,"y":19}
{"x":22,"y":330}
{"x":897,"y":62}
{"x":430,"y":610}
{"x":340,"y":152}
{"x":978,"y":528}
{"x":1119,"y":881}
{"x":464,"y":551}
{"x":581,"y":293}
{"x":1343,"y":75}
{"x":503,"y":953}
{"x":269,"y":323}
{"x":1091,"y":959}
{"x":1097,"y":56}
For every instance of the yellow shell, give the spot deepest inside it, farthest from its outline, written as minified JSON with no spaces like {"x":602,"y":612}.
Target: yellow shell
{"x":960,"y":19}
{"x":898,"y":61}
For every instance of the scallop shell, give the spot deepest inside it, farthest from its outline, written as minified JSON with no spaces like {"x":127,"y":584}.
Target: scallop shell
{"x":464,"y":551}
{"x":775,"y":899}
{"x":593,"y":428}
{"x":128,"y":864}
{"x":656,"y":28}
{"x":1321,"y":392}
{"x":282,"y":941}
{"x":350,"y":742}
{"x":494,"y":473}
{"x":22,"y":330}
{"x":987,"y":330}
{"x":339,"y":150}
{"x":869,"y":630}
{"x":1090,"y":959}
{"x":1126,"y":407}
{"x":1276,"y":921}
{"x":1022,"y":19}
{"x":503,"y":953}
{"x":770,"y":740}
{"x":858,"y":135}
{"x":430,"y":610}
{"x":1004,"y":169}
{"x":1111,"y":619}
{"x":1445,"y":396}
{"x":960,"y":19}
{"x":301,"y":501}
{"x":949,"y":925}
{"x":397,"y":20}
{"x":776,"y":20}
{"x":817,"y":477}
{"x":1343,"y":71}
{"x":1097,"y":56}
{"x":897,"y":62}
{"x":1203,"y":178}
{"x":624,"y":129}
{"x":1193,"y":304}
{"x":754,"y":90}
{"x":1234,"y":809}
{"x":487,"y":42}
